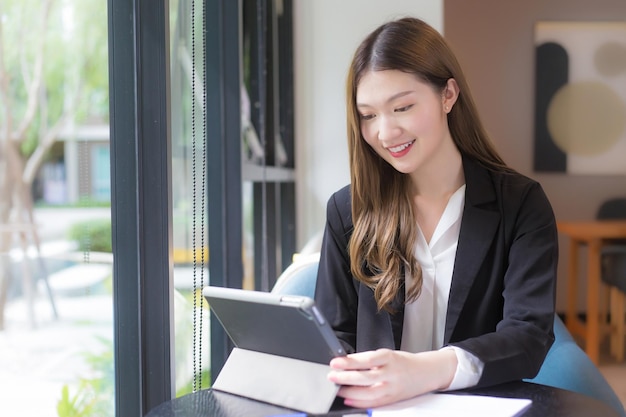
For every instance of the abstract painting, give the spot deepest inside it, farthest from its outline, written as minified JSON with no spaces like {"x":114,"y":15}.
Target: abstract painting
{"x":580,"y":98}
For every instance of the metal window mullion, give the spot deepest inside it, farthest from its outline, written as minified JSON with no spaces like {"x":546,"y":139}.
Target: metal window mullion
{"x":223,"y":119}
{"x":287,"y":202}
{"x":273,"y":77}
{"x":141,"y":203}
{"x":286,"y":128}
{"x":266,"y":215}
{"x":286,"y":80}
{"x":263,"y":118}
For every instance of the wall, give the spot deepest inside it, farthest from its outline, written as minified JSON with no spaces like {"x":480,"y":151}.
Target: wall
{"x":493,"y":40}
{"x":326,"y":33}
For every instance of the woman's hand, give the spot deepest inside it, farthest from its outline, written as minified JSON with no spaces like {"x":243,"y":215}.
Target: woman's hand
{"x":384,"y":376}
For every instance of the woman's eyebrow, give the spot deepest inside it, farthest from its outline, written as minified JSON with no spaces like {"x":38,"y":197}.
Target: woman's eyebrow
{"x":390,"y":99}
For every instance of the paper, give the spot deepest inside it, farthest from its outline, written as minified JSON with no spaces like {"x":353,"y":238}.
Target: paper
{"x":443,"y":405}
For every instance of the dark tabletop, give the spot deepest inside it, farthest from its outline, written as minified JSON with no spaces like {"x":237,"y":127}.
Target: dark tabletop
{"x":546,"y":402}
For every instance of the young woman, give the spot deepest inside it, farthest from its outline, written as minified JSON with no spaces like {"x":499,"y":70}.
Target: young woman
{"x":438,"y":263}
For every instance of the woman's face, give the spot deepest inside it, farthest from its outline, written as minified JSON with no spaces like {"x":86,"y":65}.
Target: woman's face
{"x":404,"y":119}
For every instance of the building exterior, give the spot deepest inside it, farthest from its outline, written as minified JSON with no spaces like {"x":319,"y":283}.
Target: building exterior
{"x":78,"y":169}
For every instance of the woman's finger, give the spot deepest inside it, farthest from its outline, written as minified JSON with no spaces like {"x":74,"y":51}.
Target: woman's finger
{"x":362,"y":360}
{"x":365,"y":397}
{"x":363,"y":377}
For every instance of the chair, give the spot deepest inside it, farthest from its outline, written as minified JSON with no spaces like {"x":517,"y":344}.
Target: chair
{"x":613,"y":274}
{"x":299,"y":278}
{"x":566,"y":366}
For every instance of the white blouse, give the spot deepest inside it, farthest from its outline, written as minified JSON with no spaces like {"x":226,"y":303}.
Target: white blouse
{"x":425,"y":317}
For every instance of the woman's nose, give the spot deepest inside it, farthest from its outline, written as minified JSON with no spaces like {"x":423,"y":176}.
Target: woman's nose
{"x":388,"y":128}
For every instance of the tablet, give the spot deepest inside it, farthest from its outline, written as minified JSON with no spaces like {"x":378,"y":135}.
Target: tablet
{"x":284,"y":325}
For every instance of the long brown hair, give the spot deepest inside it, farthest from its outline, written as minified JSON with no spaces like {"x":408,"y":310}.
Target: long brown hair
{"x":385,"y":228}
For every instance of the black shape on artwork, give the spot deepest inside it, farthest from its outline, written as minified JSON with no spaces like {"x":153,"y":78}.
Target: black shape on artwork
{"x":551,"y":73}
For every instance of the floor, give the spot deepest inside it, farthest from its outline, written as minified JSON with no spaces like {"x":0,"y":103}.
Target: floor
{"x":615,"y":374}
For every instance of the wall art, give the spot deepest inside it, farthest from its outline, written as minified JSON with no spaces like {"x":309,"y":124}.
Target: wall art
{"x":580,"y":98}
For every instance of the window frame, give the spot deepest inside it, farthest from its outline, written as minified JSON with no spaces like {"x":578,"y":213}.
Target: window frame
{"x":141,"y":204}
{"x":141,"y":193}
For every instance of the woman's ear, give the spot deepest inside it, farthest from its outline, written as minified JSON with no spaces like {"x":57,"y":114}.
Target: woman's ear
{"x":450,"y":94}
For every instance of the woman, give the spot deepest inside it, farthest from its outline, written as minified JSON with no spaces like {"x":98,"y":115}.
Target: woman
{"x":438,"y":262}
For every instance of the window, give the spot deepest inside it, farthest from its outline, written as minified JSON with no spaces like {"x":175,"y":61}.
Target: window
{"x":56,"y":314}
{"x":236,"y":189}
{"x":154,"y":207}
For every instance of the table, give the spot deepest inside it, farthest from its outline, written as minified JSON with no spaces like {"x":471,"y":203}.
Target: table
{"x":591,"y":234}
{"x":547,"y":402}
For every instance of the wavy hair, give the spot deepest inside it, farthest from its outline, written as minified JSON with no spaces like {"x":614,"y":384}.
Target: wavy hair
{"x":385,"y":228}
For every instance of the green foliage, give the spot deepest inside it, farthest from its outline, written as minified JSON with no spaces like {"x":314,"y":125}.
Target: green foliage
{"x":94,"y":397}
{"x":79,"y":405}
{"x":92,"y":235}
{"x":91,"y":28}
{"x":71,"y":44}
{"x":82,"y":203}
{"x":205,"y":382}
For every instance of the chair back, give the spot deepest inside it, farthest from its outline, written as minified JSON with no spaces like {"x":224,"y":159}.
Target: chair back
{"x":612,"y":209}
{"x":300,"y":277}
{"x":568,"y":367}
{"x":613,"y":255}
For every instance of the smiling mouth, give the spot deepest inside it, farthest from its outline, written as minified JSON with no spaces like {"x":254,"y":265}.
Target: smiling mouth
{"x":400,"y":148}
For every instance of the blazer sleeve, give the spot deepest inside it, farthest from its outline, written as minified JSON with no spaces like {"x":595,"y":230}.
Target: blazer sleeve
{"x":524,"y":334}
{"x":336,"y":291}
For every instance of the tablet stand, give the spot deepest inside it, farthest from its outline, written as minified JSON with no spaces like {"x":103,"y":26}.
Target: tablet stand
{"x":278,"y":380}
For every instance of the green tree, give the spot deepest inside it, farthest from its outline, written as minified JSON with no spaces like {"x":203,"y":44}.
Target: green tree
{"x":53,"y":75}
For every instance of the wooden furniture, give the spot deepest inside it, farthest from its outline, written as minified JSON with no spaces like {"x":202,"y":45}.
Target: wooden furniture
{"x":618,"y":309}
{"x":613,"y":260}
{"x":589,"y":234}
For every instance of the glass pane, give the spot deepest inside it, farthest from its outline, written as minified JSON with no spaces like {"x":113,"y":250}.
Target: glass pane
{"x":247,"y":199}
{"x":56,"y":319}
{"x":101,"y":172}
{"x":190,"y":202}
{"x":190,"y":231}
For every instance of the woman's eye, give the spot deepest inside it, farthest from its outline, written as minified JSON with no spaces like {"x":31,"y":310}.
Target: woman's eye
{"x":403,"y":109}
{"x":367,"y":116}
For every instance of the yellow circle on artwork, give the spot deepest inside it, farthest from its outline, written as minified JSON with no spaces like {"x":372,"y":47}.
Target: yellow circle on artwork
{"x":586,"y":118}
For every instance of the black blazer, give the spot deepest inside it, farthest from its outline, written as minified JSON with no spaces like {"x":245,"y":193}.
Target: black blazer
{"x":502,"y":297}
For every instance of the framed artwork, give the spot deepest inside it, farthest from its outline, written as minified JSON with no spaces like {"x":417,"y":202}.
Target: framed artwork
{"x":580,"y":98}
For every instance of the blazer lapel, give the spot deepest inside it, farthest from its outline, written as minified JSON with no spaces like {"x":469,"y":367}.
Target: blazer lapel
{"x":479,"y":224}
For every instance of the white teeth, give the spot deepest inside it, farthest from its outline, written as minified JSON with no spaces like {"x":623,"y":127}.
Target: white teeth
{"x":401,"y":147}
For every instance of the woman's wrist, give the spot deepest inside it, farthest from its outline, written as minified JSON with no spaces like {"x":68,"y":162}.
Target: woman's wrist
{"x":447,"y":363}
{"x":439,"y":366}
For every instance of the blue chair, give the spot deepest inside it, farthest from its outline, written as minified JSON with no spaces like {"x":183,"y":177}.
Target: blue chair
{"x":299,"y":278}
{"x":566,"y":366}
